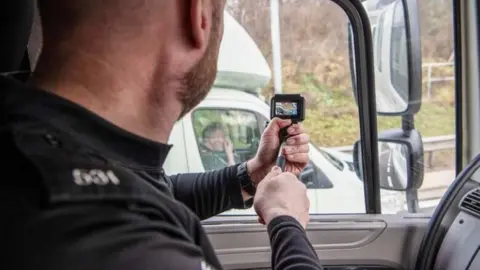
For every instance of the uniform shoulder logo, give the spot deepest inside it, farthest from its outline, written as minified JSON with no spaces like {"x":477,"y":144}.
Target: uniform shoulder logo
{"x":85,"y":177}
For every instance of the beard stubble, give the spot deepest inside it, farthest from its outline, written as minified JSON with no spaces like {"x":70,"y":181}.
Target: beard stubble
{"x":199,"y":80}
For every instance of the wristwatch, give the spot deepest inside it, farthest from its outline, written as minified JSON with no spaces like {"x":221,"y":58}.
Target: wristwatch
{"x":245,"y":181}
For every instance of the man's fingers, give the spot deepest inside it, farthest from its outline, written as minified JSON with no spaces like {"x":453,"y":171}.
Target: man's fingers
{"x":298,"y":158}
{"x":295,"y":129}
{"x":276,"y":170}
{"x":297,"y":149}
{"x":281,"y":123}
{"x":261,"y":221}
{"x":298,"y":139}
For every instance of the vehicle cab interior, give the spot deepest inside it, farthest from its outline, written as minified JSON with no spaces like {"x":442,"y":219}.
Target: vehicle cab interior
{"x":445,"y":238}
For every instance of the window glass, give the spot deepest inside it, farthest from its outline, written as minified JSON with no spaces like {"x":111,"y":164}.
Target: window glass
{"x":228,"y":136}
{"x":436,"y":119}
{"x":315,"y":63}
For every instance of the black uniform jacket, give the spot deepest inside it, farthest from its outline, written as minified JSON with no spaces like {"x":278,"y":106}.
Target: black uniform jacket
{"x":77,"y":192}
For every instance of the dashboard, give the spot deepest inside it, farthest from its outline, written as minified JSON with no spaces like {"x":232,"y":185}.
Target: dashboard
{"x":460,"y":247}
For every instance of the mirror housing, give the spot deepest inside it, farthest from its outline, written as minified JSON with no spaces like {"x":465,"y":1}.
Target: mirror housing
{"x":398,"y":83}
{"x":400,"y":157}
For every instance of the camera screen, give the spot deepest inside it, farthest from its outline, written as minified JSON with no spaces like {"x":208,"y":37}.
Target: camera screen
{"x":286,"y":108}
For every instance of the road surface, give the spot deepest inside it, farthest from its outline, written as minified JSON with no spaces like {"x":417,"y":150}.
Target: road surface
{"x":434,"y":183}
{"x":388,"y":169}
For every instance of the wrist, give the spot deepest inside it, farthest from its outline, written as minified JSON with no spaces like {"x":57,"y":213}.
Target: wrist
{"x":274,"y":213}
{"x":256,"y":171}
{"x":248,"y":187}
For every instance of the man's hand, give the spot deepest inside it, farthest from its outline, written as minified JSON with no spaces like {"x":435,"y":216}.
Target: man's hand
{"x":295,"y":150}
{"x":281,"y":194}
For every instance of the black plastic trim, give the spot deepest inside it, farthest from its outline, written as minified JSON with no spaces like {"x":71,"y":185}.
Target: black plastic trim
{"x":458,"y":87}
{"x":465,"y":209}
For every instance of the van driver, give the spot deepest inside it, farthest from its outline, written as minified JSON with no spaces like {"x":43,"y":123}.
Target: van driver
{"x":217,"y":149}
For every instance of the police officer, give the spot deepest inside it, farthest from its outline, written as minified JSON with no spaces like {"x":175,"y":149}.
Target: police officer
{"x":83,"y":141}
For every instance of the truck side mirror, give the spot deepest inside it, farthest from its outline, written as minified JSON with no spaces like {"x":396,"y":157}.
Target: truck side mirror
{"x":400,"y":157}
{"x":397,"y":56}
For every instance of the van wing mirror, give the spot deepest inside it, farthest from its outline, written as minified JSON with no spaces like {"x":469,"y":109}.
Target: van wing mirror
{"x":397,"y":56}
{"x":400,"y":157}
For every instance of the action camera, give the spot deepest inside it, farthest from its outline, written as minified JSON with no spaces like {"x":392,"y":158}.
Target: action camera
{"x":288,"y":106}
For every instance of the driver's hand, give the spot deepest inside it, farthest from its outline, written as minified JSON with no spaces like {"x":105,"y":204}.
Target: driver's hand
{"x":281,"y":194}
{"x":228,"y":146}
{"x":295,"y":150}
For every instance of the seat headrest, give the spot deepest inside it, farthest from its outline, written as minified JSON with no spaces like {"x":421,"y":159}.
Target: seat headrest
{"x":16,"y":18}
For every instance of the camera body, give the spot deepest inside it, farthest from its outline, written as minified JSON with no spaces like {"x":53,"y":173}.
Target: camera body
{"x":288,"y":106}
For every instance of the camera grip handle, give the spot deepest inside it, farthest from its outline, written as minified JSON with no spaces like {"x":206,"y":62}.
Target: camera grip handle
{"x":283,"y":136}
{"x":281,"y":162}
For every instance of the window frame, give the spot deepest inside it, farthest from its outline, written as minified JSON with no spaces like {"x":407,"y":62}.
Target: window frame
{"x":367,"y":110}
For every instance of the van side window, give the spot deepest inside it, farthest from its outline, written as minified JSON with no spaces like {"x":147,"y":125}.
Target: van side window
{"x":225,"y":137}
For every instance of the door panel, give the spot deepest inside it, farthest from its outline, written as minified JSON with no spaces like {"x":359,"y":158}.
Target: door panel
{"x":391,"y":241}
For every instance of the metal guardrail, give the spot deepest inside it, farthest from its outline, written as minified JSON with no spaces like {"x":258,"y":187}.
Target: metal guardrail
{"x":430,"y":146}
{"x":429,"y":79}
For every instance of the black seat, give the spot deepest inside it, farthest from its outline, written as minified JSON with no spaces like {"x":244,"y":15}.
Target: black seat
{"x":16,"y":18}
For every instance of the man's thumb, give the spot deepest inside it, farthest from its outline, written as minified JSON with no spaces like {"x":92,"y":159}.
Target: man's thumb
{"x":276,"y":124}
{"x":274,"y":172}
{"x":276,"y":169}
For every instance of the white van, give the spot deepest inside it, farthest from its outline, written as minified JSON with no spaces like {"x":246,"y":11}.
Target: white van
{"x":234,"y":102}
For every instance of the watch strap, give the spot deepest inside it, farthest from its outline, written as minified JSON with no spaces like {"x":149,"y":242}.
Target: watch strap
{"x":245,"y":181}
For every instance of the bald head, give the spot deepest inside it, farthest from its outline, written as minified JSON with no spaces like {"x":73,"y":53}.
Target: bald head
{"x":161,"y":51}
{"x":60,"y":18}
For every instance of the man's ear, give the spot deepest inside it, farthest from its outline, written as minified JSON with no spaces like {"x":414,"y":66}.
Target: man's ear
{"x":200,"y":23}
